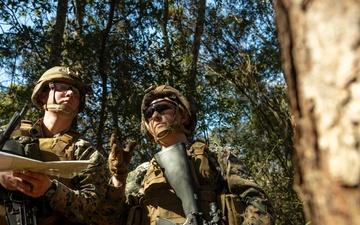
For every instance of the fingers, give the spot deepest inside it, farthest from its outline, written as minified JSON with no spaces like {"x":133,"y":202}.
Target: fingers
{"x":114,"y":148}
{"x":115,"y":157}
{"x":25,"y":184}
{"x":119,"y":158}
{"x":112,"y":139}
{"x":25,"y":187}
{"x":131,"y":147}
{"x":26,"y":176}
{"x":129,"y":152}
{"x":31,"y":188}
{"x":8,"y":181}
{"x":31,"y":183}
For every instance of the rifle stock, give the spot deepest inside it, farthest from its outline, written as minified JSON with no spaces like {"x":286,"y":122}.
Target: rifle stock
{"x":174,"y":161}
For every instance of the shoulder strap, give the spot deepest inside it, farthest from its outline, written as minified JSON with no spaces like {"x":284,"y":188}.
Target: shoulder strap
{"x":198,"y":147}
{"x":67,"y":142}
{"x":22,"y":129}
{"x":200,"y":159}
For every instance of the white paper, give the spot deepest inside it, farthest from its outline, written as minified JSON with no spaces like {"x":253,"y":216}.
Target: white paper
{"x":65,"y":169}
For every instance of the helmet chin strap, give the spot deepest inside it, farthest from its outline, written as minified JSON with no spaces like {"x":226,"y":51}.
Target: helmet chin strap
{"x":58,"y":108}
{"x":168,"y":128}
{"x":61,"y":109}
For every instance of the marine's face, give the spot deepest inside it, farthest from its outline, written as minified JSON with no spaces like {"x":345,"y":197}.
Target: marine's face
{"x":64,"y":94}
{"x":65,"y":87}
{"x":67,"y":95}
{"x":160,"y":113}
{"x":159,"y":107}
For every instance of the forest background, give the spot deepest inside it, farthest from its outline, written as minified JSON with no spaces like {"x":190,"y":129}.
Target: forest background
{"x":222,"y":54}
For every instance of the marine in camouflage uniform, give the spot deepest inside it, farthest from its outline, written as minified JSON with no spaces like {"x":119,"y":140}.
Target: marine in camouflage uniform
{"x":61,"y":94}
{"x":217,"y":175}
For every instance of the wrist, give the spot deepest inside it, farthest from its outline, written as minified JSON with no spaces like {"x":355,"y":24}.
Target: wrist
{"x":51,"y":190}
{"x":116,"y":182}
{"x":119,"y":169}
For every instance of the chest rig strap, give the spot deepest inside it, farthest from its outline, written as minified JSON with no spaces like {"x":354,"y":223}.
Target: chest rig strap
{"x":58,"y":148}
{"x":51,"y":149}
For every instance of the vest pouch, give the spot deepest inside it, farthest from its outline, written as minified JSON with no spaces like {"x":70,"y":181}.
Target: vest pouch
{"x":32,"y":151}
{"x":13,"y":147}
{"x":166,"y":206}
{"x":234,"y":208}
{"x":31,"y":146}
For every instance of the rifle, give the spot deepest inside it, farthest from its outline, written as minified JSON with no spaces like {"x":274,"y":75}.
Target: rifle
{"x":14,"y":122}
{"x":174,"y":161}
{"x":18,"y":207}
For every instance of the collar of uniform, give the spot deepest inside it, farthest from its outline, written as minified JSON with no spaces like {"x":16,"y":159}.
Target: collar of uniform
{"x":37,"y":129}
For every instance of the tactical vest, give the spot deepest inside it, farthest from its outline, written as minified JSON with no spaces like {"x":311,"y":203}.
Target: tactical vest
{"x":59,"y":148}
{"x":160,"y":199}
{"x":47,"y":149}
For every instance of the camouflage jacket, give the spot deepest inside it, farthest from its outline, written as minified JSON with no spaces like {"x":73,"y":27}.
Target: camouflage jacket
{"x":230,"y":176}
{"x":75,"y":204}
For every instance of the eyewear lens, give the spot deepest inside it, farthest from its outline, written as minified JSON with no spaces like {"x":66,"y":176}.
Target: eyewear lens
{"x":158,"y":107}
{"x":65,"y":87}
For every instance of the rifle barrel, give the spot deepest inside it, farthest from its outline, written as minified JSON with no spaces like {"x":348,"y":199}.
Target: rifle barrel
{"x":15,"y":120}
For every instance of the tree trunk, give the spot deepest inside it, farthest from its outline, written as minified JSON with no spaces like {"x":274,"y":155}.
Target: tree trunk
{"x":163,"y":20}
{"x":199,"y":31}
{"x":103,"y":72}
{"x":57,"y":37}
{"x":79,"y":9}
{"x":319,"y":43}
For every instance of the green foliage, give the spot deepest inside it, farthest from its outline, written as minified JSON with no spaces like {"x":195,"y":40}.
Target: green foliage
{"x":123,"y":47}
{"x":13,"y":101}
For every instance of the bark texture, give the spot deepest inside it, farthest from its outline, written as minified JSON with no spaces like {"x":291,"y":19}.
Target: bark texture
{"x":320,"y":47}
{"x":57,"y":38}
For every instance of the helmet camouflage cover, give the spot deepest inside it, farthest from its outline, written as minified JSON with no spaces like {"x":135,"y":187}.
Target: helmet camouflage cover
{"x":166,"y":91}
{"x":59,"y":74}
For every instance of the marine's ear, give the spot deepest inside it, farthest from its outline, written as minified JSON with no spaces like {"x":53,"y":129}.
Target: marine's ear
{"x":184,"y":118}
{"x":43,"y":96}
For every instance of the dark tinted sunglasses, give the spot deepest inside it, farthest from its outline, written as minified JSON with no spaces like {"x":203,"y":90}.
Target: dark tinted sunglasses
{"x":158,"y":107}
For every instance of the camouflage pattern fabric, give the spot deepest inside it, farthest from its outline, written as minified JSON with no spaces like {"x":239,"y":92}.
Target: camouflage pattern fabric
{"x":231,"y":174}
{"x":112,"y":209}
{"x":240,"y":182}
{"x":76,"y":205}
{"x":115,"y":206}
{"x":79,"y":204}
{"x":134,"y":185}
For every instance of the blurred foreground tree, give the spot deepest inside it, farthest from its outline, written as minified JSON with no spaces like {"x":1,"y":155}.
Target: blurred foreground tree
{"x":320,"y":50}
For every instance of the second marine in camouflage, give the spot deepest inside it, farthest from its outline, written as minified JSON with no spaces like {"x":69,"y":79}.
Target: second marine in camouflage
{"x":151,"y":192}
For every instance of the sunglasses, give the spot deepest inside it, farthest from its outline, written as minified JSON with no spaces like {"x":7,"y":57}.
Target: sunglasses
{"x":63,"y":87}
{"x":158,"y":107}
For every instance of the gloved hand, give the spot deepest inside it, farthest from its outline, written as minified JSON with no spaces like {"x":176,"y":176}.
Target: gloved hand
{"x":119,"y":158}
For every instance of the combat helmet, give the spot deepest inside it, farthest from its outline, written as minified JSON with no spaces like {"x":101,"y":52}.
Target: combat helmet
{"x":60,"y":74}
{"x":169,"y":93}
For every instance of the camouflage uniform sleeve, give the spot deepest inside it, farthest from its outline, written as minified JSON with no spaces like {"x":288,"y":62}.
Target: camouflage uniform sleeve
{"x":112,"y":209}
{"x":135,"y":178}
{"x":240,"y":182}
{"x":89,"y":186}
